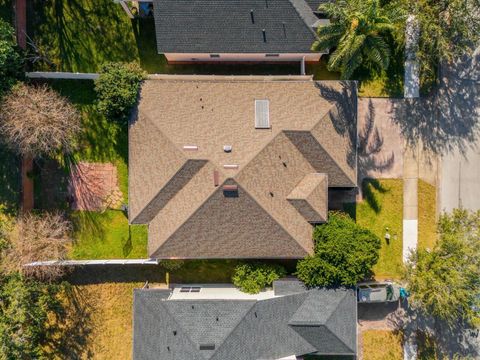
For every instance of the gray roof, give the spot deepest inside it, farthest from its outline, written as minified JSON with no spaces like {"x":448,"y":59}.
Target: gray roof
{"x":317,"y":321}
{"x":225,"y":26}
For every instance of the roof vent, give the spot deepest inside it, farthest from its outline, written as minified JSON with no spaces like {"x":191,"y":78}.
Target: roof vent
{"x":190,"y":147}
{"x":264,"y":35}
{"x":227,"y":148}
{"x":215,"y":178}
{"x":230,"y":187}
{"x":207,"y":346}
{"x":230,"y":166}
{"x":251,"y":16}
{"x":262,"y":114}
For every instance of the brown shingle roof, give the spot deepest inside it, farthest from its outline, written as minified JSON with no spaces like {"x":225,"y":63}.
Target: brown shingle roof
{"x":172,"y":188}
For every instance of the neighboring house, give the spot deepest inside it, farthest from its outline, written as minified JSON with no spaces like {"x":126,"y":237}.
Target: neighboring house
{"x":237,"y":30}
{"x":238,"y":167}
{"x":219,"y":322}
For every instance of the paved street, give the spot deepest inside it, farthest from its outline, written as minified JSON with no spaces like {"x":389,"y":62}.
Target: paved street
{"x":460,"y":170}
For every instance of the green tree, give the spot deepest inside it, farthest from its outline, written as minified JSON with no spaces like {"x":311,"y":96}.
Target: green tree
{"x":117,"y":89}
{"x":448,"y":29}
{"x":359,"y":32}
{"x":344,"y":253}
{"x":27,"y":312}
{"x":11,"y":61}
{"x":253,"y":277}
{"x":445,"y":282}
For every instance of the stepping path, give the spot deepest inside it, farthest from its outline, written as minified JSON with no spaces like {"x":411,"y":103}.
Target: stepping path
{"x":410,"y":201}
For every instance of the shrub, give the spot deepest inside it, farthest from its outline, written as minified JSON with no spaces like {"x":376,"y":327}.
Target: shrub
{"x":252,"y":278}
{"x":11,"y":61}
{"x":117,"y":89}
{"x":344,"y":253}
{"x":36,"y":120}
{"x":172,"y":265}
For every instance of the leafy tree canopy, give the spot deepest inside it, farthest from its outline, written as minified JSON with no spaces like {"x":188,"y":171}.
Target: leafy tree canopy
{"x":11,"y":61}
{"x":117,"y":89}
{"x":448,"y":29}
{"x":253,"y":277}
{"x":344,"y":253}
{"x":359,"y":33}
{"x":37,"y":320}
{"x":445,"y":282}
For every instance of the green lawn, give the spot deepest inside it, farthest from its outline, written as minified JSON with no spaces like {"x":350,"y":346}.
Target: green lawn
{"x":427,"y":208}
{"x":102,"y":235}
{"x":382,"y":208}
{"x":387,"y":84}
{"x":107,"y":236}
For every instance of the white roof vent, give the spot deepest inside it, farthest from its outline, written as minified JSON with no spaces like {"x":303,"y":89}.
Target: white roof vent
{"x":190,"y":147}
{"x":227,"y":148}
{"x":262,"y":114}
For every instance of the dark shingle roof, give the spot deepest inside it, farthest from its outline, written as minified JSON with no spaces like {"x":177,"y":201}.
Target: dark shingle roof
{"x":225,"y":26}
{"x":245,"y":329}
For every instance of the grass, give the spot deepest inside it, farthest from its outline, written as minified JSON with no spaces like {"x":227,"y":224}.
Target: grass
{"x":382,"y":208}
{"x":388,"y":83}
{"x":108,"y":319}
{"x":102,"y":235}
{"x":427,"y":207}
{"x":107,"y":236}
{"x":382,"y":345}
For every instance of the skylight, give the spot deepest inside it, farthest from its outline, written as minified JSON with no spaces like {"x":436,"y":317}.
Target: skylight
{"x":262,"y":114}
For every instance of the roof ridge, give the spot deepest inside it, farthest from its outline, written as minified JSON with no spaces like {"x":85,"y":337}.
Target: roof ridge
{"x":310,"y":28}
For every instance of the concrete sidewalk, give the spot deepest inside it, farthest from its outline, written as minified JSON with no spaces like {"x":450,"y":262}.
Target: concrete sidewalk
{"x":410,"y":201}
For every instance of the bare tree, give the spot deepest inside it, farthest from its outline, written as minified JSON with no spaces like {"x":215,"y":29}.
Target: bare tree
{"x":36,"y":120}
{"x":39,"y":237}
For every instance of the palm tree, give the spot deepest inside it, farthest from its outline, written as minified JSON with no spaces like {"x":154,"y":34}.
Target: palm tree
{"x":358,"y":31}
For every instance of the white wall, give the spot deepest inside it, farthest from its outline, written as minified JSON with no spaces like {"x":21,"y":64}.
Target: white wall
{"x":202,"y":57}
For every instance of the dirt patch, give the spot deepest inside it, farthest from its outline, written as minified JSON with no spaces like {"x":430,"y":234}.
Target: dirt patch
{"x":94,"y":186}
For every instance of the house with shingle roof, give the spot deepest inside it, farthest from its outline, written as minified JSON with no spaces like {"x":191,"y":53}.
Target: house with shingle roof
{"x":238,"y":167}
{"x":237,"y":30}
{"x":212,"y":322}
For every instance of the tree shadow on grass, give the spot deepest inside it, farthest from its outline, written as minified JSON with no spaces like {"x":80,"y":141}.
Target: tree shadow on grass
{"x":72,"y":325}
{"x":369,"y":187}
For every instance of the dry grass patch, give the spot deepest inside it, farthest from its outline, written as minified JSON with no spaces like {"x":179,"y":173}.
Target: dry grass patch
{"x":427,"y":207}
{"x":382,"y":345}
{"x":110,"y":311}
